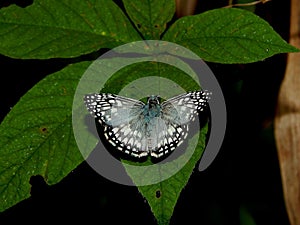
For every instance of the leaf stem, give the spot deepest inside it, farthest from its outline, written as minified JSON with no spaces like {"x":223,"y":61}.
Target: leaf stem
{"x":230,"y":5}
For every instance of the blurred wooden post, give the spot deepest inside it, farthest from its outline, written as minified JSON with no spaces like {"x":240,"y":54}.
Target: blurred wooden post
{"x":185,"y":7}
{"x":287,"y":122}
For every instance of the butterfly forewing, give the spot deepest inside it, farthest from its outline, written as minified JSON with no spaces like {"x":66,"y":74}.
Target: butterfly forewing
{"x":112,"y":109}
{"x":183,"y":108}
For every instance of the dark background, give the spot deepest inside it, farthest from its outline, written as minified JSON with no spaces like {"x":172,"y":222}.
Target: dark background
{"x":244,"y":174}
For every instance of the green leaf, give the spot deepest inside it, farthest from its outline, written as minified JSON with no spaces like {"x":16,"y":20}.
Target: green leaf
{"x":63,"y":28}
{"x":245,"y":217}
{"x":228,"y":36}
{"x":146,"y":78}
{"x":162,"y":196}
{"x":136,"y":81}
{"x":150,"y":17}
{"x":36,"y":137}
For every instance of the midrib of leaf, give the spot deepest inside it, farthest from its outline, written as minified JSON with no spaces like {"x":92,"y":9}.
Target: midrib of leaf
{"x":53,"y":27}
{"x":150,"y":14}
{"x":51,"y":153}
{"x":147,"y":14}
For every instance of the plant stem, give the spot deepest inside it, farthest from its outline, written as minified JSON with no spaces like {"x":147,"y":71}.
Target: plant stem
{"x":287,"y":123}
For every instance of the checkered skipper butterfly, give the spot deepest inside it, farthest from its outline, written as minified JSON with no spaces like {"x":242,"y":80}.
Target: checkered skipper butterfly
{"x":140,"y":129}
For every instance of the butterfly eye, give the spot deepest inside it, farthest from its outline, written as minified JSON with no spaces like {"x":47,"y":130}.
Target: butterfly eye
{"x":153,"y":99}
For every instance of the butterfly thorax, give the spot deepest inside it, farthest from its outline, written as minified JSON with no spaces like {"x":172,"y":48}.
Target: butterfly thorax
{"x":152,"y":108}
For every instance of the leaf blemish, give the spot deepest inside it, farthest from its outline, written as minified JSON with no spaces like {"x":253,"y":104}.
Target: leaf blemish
{"x":43,"y":130}
{"x":64,"y":90}
{"x":158,"y":194}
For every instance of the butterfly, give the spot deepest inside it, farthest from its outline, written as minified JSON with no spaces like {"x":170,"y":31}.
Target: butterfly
{"x":138,"y":129}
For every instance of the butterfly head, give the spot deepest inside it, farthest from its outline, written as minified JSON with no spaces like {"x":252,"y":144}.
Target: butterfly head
{"x":153,"y":100}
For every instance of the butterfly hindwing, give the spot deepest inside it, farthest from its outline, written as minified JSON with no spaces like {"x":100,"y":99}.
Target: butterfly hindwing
{"x":167,"y":136}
